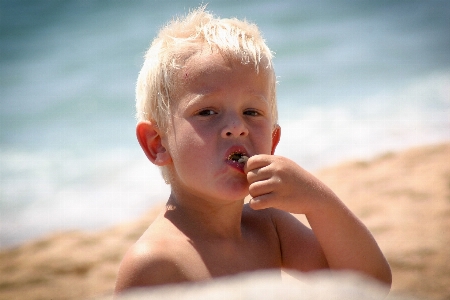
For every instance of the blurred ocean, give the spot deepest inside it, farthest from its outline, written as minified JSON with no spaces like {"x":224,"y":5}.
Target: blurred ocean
{"x":356,"y":78}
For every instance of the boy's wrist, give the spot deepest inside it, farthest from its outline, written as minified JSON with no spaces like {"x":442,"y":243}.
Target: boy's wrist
{"x":320,"y":204}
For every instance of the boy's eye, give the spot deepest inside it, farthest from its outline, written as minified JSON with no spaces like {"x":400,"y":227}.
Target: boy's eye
{"x":206,"y":112}
{"x":251,"y":113}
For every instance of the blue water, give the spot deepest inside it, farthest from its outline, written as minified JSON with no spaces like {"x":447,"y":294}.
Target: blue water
{"x":356,"y":78}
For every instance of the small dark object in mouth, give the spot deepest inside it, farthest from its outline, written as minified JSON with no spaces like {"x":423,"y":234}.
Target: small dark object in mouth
{"x":239,"y":157}
{"x":243,"y":159}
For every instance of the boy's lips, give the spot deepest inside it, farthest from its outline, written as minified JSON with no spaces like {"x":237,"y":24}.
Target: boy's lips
{"x":236,"y":157}
{"x":236,"y":152}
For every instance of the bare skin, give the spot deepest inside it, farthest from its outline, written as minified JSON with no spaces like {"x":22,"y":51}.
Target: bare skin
{"x":266,"y":239}
{"x":206,"y":230}
{"x":197,"y":254}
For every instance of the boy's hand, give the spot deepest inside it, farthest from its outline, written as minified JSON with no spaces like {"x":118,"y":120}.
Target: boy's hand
{"x":278,"y":182}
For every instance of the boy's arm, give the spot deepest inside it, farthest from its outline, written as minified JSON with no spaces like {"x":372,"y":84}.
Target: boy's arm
{"x":344,"y":241}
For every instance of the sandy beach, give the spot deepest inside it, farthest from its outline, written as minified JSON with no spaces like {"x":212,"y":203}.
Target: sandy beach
{"x":403,"y":197}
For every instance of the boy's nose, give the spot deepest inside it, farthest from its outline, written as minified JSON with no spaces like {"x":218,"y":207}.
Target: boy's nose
{"x":235,"y":128}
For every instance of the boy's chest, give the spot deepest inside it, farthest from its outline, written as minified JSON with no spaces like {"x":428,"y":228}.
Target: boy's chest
{"x":210,"y":259}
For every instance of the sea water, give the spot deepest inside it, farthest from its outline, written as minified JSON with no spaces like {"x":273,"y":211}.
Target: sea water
{"x":356,"y":78}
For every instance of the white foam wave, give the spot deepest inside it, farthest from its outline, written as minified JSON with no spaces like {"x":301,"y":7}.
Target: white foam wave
{"x":54,"y":191}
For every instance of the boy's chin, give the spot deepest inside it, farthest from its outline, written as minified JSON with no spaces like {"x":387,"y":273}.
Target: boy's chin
{"x":239,"y":196}
{"x":232,"y":194}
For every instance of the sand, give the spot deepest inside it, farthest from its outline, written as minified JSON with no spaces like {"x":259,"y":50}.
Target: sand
{"x":404,"y":199}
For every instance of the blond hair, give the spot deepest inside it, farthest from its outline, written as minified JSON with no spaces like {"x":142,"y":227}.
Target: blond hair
{"x":182,"y":38}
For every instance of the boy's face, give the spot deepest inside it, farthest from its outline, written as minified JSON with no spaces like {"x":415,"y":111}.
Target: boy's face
{"x":221,"y":107}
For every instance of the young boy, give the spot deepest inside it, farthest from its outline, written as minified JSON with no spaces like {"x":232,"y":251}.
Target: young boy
{"x":207,"y":115}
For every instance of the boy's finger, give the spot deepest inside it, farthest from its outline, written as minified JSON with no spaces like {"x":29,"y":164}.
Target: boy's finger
{"x":259,"y":174}
{"x":256,"y":162}
{"x":260,"y":187}
{"x":260,"y":202}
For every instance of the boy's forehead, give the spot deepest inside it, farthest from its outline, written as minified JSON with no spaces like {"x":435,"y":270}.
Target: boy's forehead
{"x":205,"y":63}
{"x":206,"y":67}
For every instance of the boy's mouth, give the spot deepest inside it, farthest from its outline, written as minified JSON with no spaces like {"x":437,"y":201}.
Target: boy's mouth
{"x":238,"y":157}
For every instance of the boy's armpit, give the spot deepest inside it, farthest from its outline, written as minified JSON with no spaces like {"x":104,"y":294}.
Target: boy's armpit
{"x":142,"y":267}
{"x":300,"y":250}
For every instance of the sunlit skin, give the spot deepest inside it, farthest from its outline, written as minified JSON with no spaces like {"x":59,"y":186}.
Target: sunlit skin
{"x":222,"y":107}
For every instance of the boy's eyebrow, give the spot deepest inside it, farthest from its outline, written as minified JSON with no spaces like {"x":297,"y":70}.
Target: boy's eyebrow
{"x":207,"y":92}
{"x":259,"y":97}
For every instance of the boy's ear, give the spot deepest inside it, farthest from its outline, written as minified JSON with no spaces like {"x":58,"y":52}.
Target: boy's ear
{"x":276,"y":135}
{"x":149,"y":137}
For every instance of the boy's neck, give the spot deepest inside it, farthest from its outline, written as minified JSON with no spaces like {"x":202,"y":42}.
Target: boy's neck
{"x":198,"y":218}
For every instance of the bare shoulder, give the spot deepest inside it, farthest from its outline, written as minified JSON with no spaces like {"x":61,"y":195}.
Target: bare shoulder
{"x":150,"y":262}
{"x":278,"y":219}
{"x":300,"y":249}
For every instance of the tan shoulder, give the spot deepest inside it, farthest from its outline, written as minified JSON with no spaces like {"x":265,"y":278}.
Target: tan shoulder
{"x":300,"y":249}
{"x":270,"y":216}
{"x":148,"y":264}
{"x":264,"y":215}
{"x":269,"y":219}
